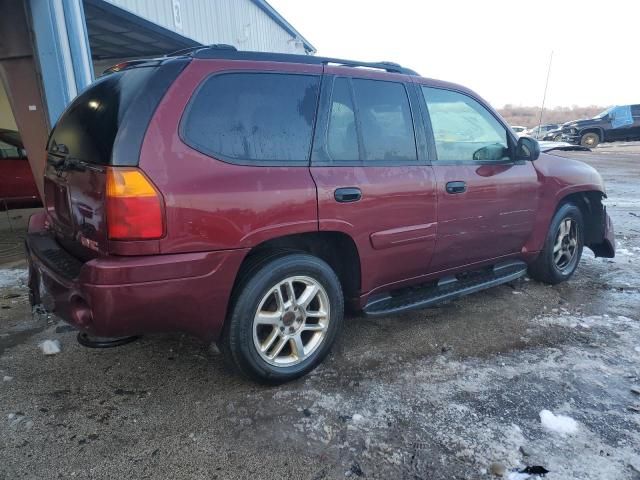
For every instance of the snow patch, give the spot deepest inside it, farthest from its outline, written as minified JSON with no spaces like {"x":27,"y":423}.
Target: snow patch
{"x":558,"y":423}
{"x":518,"y":476}
{"x":13,"y":277}
{"x":50,"y":347}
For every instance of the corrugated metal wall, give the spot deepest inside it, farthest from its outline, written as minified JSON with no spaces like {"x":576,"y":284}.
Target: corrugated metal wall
{"x":236,"y":22}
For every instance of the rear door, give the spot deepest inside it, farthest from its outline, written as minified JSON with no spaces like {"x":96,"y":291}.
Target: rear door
{"x":486,"y":200}
{"x":369,"y":165}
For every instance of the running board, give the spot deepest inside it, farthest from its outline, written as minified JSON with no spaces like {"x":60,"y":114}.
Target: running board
{"x":447,"y":288}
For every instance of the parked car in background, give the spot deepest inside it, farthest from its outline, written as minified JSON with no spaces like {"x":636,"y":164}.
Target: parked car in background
{"x":227,"y":195}
{"x":617,"y":123}
{"x":17,"y":185}
{"x":540,"y":131}
{"x":554,"y":135}
{"x":520,"y":130}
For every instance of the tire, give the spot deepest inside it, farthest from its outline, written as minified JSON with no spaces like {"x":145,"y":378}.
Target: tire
{"x":557,"y":138}
{"x":590,"y":140}
{"x":547,"y":267}
{"x":293,"y":342}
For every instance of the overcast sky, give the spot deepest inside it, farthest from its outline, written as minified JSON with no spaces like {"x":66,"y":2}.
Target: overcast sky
{"x":500,"y":49}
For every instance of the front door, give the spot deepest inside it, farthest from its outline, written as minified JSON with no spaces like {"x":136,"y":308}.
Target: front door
{"x":373,"y":182}
{"x":486,"y":199}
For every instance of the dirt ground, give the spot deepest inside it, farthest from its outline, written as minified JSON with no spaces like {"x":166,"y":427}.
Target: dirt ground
{"x":436,"y":394}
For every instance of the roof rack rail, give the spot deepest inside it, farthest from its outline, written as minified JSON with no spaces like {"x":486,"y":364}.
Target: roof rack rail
{"x":232,"y":54}
{"x":215,"y":46}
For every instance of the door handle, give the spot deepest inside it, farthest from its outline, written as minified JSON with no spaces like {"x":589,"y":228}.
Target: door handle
{"x":456,"y":187}
{"x":347,"y":195}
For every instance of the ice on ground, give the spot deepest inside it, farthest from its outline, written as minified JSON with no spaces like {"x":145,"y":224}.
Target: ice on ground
{"x":13,"y":277}
{"x":50,"y":347}
{"x":558,"y":423}
{"x":7,"y":378}
{"x":518,"y":476}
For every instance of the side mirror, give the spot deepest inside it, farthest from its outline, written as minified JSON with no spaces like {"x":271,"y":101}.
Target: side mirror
{"x":527,"y":149}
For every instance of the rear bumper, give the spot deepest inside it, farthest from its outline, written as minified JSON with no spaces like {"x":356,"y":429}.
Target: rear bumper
{"x":121,"y":296}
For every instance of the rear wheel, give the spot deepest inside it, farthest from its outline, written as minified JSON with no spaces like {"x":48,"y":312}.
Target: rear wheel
{"x":562,"y":250}
{"x":590,"y":140}
{"x":284,"y":319}
{"x":557,"y":138}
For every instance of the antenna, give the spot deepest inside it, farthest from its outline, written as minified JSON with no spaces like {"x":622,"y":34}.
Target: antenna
{"x":544,"y":97}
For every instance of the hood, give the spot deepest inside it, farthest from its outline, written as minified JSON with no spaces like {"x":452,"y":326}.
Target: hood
{"x":583,"y":123}
{"x":546,"y":146}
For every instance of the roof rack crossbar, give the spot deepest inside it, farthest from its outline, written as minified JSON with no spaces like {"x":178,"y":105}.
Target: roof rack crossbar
{"x":216,"y":52}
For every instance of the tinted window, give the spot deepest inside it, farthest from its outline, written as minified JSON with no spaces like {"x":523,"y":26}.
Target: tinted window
{"x":342,"y":141}
{"x":384,"y":119}
{"x":8,"y":151}
{"x":88,"y":127}
{"x":463,"y":129}
{"x":635,"y":110}
{"x":256,"y":117}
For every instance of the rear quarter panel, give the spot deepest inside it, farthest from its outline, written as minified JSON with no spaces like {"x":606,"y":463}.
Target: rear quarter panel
{"x":213,"y":205}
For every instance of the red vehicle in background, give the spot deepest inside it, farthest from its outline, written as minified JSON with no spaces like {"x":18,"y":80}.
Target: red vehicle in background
{"x":247,"y":197}
{"x":17,"y":185}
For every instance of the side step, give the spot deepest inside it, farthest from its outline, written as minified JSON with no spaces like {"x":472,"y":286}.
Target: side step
{"x":447,"y":288}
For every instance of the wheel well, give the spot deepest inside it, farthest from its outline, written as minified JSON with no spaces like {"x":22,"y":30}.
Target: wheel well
{"x":590,"y":205}
{"x":336,"y":248}
{"x":597,"y":131}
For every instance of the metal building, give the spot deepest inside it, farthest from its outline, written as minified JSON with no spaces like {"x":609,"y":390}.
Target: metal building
{"x":52,"y":49}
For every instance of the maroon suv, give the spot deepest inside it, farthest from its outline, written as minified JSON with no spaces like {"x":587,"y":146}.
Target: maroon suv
{"x":247,"y":197}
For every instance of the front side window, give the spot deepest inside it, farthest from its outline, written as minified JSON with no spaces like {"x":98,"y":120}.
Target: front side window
{"x":463,"y":129}
{"x":254,"y":117}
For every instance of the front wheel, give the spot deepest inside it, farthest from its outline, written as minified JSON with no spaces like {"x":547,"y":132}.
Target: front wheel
{"x":590,"y":140}
{"x":285,"y":318}
{"x":562,"y":249}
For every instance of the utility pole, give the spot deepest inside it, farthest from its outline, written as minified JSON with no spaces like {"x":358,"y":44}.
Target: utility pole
{"x":544,"y":97}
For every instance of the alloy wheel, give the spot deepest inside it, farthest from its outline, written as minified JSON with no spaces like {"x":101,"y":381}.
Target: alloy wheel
{"x":291,"y":321}
{"x":566,"y":244}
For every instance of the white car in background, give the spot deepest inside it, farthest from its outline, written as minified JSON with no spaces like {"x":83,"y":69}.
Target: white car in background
{"x":520,"y":130}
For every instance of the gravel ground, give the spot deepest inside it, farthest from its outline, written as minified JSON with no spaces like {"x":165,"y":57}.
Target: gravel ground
{"x":450,"y":392}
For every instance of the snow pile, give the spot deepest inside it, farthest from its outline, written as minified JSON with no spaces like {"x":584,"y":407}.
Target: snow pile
{"x":50,"y":347}
{"x":558,"y":423}
{"x":13,"y":277}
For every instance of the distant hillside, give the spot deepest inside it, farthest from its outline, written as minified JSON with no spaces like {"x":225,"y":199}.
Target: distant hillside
{"x":530,"y":116}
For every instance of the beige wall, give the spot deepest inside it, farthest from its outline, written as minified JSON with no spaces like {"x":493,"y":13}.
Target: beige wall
{"x":6,"y":115}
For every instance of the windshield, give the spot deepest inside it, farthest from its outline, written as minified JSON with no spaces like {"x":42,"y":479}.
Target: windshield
{"x":605,"y":113}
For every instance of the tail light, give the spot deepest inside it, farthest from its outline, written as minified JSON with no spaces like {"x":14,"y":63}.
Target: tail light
{"x":134,"y":206}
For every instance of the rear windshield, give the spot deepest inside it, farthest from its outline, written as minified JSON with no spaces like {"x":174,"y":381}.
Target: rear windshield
{"x":89,"y":126}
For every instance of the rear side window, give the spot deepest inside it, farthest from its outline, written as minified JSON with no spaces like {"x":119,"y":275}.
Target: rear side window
{"x":342,"y":141}
{"x":89,"y":126}
{"x":385,"y":120}
{"x":253,"y":117}
{"x":370,"y":121}
{"x":8,"y":151}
